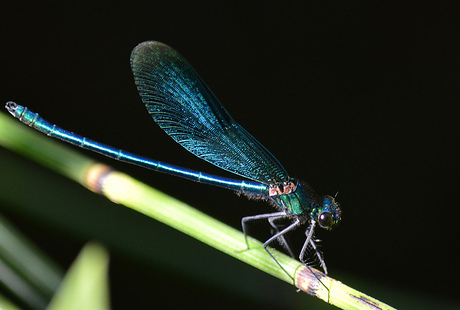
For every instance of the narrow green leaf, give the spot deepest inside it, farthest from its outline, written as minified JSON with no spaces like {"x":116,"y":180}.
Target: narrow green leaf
{"x":86,"y":284}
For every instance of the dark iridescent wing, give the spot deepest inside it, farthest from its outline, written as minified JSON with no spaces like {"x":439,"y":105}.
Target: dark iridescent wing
{"x":184,"y":107}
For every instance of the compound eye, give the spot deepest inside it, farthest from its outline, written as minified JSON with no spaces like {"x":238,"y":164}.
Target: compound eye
{"x":325,"y":220}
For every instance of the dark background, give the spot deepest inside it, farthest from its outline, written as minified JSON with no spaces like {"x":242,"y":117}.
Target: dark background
{"x":354,"y":97}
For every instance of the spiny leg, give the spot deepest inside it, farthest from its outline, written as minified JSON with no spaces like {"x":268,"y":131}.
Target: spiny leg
{"x":281,"y":238}
{"x":275,"y":237}
{"x":320,"y":257}
{"x":309,"y":234}
{"x":310,"y":241}
{"x":258,"y":217}
{"x":323,"y":265}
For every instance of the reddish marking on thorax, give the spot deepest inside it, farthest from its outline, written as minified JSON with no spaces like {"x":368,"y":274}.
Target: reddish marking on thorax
{"x":287,"y":188}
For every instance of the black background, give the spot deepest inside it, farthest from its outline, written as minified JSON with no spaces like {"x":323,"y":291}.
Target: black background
{"x":354,"y":97}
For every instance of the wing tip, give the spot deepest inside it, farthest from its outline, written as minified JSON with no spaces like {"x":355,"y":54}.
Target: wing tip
{"x":145,"y":49}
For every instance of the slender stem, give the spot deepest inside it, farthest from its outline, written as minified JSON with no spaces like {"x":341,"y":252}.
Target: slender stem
{"x":131,"y":193}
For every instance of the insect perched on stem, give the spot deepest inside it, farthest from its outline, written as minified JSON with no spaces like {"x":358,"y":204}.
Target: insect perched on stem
{"x":184,"y":107}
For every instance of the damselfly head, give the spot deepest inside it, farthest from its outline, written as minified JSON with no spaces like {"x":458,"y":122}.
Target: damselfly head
{"x":329,"y":213}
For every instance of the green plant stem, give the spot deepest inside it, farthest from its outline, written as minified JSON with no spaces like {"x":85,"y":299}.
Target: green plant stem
{"x":131,"y":193}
